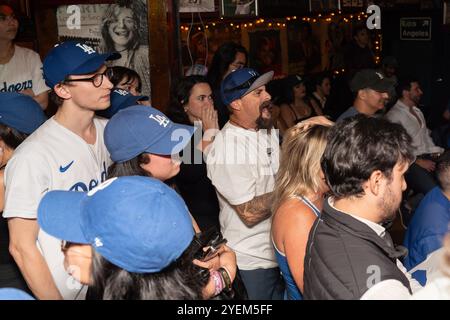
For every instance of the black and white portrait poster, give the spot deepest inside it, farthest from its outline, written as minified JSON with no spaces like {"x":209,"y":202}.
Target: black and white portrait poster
{"x":121,"y":27}
{"x":197,"y":6}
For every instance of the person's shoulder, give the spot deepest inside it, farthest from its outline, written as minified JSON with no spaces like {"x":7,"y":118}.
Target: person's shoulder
{"x":434,"y":196}
{"x":295,"y":212}
{"x":347,"y":113}
{"x":25,"y":52}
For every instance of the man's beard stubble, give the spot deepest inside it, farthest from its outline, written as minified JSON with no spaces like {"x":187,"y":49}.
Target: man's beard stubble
{"x":262,"y":122}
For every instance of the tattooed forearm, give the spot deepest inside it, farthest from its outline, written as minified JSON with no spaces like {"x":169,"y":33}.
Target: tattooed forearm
{"x":255,"y":210}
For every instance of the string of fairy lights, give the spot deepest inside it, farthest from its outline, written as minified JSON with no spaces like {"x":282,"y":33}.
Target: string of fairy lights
{"x":233,"y":25}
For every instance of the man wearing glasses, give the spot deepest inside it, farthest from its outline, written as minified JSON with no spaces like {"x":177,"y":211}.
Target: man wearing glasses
{"x":20,"y":68}
{"x":242,"y":163}
{"x":66,"y":153}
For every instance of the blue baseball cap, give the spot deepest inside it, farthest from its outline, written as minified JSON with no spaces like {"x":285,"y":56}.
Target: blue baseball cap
{"x":72,"y":58}
{"x":143,"y":129}
{"x":14,"y":294}
{"x":137,"y":223}
{"x":20,"y":112}
{"x":241,"y":82}
{"x":120,"y":99}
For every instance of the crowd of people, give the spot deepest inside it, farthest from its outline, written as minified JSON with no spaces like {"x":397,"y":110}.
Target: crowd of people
{"x":244,"y":188}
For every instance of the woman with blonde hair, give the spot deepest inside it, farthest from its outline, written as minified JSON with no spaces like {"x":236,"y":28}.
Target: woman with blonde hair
{"x":298,"y":198}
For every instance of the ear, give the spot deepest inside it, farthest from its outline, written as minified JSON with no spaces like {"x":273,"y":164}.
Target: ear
{"x":62,"y":91}
{"x":145,"y":165}
{"x":362,"y":94}
{"x":375,"y":182}
{"x":405,"y":93}
{"x":236,"y":105}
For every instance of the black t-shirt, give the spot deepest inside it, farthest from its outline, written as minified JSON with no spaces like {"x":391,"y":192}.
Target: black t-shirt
{"x":5,"y":257}
{"x":197,"y":190}
{"x":10,"y":275}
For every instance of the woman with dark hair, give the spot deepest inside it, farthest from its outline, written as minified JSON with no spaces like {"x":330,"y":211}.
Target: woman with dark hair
{"x":296,"y":107}
{"x":126,"y":79}
{"x":132,"y":238}
{"x":20,"y":116}
{"x":228,"y":58}
{"x":142,"y":141}
{"x":192,"y":104}
{"x":123,"y":30}
{"x":321,"y":88}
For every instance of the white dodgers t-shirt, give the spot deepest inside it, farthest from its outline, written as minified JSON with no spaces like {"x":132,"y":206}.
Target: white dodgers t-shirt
{"x":242,"y":165}
{"x":23,"y":71}
{"x":53,"y":158}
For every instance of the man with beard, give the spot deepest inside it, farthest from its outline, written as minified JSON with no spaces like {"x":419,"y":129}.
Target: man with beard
{"x":242,"y":163}
{"x":420,"y":177}
{"x":348,"y":249}
{"x":371,"y":93}
{"x":20,"y":68}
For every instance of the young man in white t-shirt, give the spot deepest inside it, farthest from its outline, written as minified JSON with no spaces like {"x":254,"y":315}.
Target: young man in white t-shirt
{"x":242,"y":163}
{"x":20,"y":68}
{"x":66,"y":153}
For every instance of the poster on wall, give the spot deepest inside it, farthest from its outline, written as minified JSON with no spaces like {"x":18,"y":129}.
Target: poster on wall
{"x":281,"y":8}
{"x":200,"y":47}
{"x":120,"y":27}
{"x":304,"y":54}
{"x":349,"y":4}
{"x":265,"y":51}
{"x":324,"y":5}
{"x":197,"y":6}
{"x":231,"y":8}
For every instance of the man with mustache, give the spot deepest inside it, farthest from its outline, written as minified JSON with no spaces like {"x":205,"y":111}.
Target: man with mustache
{"x":420,"y":176}
{"x":371,"y":93}
{"x":349,"y":251}
{"x":20,"y":68}
{"x":242,"y":163}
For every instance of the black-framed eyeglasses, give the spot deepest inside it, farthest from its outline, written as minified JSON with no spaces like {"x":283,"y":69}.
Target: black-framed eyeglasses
{"x":247,"y":84}
{"x":96,"y":79}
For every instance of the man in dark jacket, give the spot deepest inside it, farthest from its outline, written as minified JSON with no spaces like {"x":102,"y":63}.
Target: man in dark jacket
{"x":349,"y":250}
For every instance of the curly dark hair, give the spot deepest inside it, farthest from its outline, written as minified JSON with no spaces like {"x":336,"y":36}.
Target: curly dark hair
{"x":358,"y":146}
{"x":180,"y":93}
{"x":223,"y":57}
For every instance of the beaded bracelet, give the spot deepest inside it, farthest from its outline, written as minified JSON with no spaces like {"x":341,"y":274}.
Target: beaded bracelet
{"x":217,"y":282}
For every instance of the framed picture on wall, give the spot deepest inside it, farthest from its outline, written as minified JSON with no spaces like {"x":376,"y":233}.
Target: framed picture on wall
{"x":265,"y":51}
{"x":233,"y":8}
{"x":446,"y":11}
{"x":352,"y":4}
{"x":324,"y":5}
{"x":197,"y":6}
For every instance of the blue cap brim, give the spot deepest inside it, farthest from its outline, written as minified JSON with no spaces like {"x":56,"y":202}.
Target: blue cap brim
{"x":14,"y":294}
{"x":59,"y":215}
{"x":114,"y":108}
{"x":95,"y":63}
{"x":173,"y":141}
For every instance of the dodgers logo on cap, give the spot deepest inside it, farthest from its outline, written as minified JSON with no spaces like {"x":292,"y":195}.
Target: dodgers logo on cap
{"x":137,"y":223}
{"x":72,"y":58}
